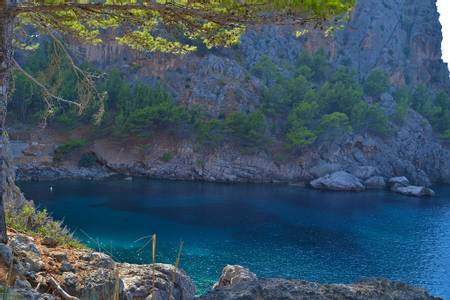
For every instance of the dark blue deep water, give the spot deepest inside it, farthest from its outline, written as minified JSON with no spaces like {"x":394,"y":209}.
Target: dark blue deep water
{"x":274,"y":230}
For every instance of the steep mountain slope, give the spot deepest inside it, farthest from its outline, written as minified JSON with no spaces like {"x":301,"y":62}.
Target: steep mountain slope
{"x":400,"y":37}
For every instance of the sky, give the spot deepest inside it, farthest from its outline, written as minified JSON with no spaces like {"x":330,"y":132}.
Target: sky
{"x":444,"y":10}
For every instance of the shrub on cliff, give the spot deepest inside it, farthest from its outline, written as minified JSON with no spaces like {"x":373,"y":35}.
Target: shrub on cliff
{"x":87,"y":160}
{"x":38,"y":223}
{"x":247,"y":130}
{"x":402,"y":104}
{"x":334,"y":125}
{"x":376,"y":83}
{"x":68,"y":147}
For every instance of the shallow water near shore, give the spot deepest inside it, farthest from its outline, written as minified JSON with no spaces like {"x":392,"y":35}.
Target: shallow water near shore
{"x":275,"y":230}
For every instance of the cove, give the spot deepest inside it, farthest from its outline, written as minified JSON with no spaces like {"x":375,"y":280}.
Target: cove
{"x":275,"y":230}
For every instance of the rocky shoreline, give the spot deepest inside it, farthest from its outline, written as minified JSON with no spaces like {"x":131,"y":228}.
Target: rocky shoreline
{"x":42,"y":270}
{"x":367,"y":161}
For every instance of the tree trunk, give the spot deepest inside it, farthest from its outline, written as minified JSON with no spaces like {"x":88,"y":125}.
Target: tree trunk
{"x":6,"y":26}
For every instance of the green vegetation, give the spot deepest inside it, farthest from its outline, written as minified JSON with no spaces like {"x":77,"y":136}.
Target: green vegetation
{"x":38,"y":223}
{"x":68,"y":147}
{"x":435,"y":107}
{"x":322,"y":103}
{"x":310,"y":102}
{"x":376,"y":83}
{"x":87,"y":160}
{"x":168,"y":156}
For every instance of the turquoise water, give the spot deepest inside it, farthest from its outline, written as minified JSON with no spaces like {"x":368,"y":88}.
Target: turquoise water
{"x":274,"y":230}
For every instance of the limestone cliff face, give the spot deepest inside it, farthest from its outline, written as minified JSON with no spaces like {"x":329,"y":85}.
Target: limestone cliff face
{"x":402,"y":37}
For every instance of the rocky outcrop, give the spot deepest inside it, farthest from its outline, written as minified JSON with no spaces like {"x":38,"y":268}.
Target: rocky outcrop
{"x":282,"y":289}
{"x":138,"y":282}
{"x":338,"y":181}
{"x":234,"y":274}
{"x":85,"y":274}
{"x":401,"y":185}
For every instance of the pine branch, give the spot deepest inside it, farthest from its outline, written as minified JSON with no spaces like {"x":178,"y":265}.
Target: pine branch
{"x":43,"y":87}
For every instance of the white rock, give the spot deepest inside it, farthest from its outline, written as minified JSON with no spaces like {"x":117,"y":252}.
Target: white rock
{"x":338,"y":181}
{"x":375,"y":182}
{"x":401,"y":181}
{"x":412,"y":190}
{"x":233,"y":274}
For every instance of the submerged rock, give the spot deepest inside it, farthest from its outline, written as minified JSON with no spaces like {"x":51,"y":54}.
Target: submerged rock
{"x":412,"y":190}
{"x":338,"y":181}
{"x":282,"y":289}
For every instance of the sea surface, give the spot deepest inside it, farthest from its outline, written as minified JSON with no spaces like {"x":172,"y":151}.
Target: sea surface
{"x":275,"y":230}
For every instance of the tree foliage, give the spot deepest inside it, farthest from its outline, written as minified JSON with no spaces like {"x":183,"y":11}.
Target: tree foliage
{"x":376,"y":83}
{"x":321,"y":103}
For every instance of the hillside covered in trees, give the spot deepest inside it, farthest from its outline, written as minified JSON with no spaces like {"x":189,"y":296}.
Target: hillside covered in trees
{"x":276,"y":107}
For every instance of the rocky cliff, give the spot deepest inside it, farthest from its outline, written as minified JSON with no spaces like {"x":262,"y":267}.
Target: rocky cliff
{"x":401,"y":37}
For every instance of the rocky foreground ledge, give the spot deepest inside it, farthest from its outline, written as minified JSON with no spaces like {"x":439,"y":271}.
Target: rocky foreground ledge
{"x":38,"y":269}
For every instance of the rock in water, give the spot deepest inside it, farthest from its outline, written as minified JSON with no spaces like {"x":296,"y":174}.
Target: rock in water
{"x":282,"y":289}
{"x":375,"y":182}
{"x":234,"y":274}
{"x":412,"y":190}
{"x":338,"y":181}
{"x":399,"y":181}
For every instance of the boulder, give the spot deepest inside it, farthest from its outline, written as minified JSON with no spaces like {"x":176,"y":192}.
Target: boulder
{"x":233,"y":274}
{"x":66,"y":267}
{"x":98,"y":259}
{"x":89,"y":275}
{"x":412,"y":190}
{"x":338,"y":181}
{"x":324,"y":168}
{"x":6,"y":255}
{"x":27,"y":254}
{"x":138,"y":282}
{"x":23,"y":244}
{"x":49,"y":242}
{"x":59,"y":255}
{"x":399,"y":181}
{"x":375,"y":182}
{"x":364,"y":172}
